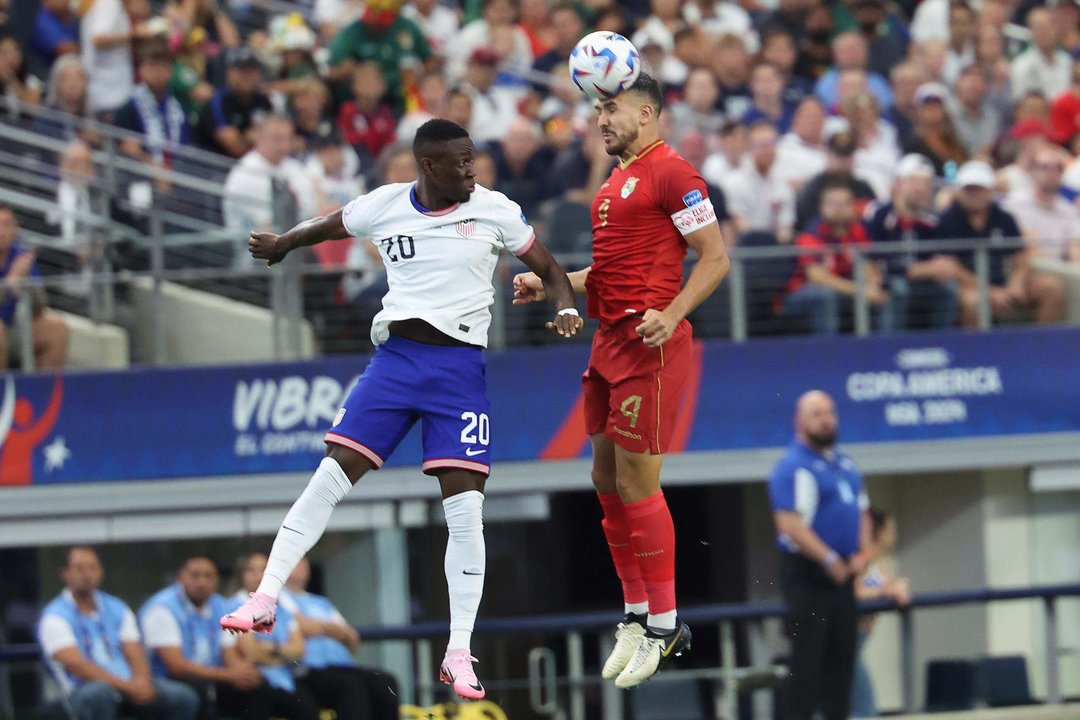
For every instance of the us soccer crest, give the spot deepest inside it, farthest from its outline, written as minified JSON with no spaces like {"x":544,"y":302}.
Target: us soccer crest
{"x":466,"y":228}
{"x":628,"y":187}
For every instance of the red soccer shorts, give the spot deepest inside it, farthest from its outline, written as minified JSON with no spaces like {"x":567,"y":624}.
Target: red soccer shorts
{"x":631,"y":390}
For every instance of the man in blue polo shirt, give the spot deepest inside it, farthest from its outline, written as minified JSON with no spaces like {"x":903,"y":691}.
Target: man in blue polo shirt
{"x":820,"y":508}
{"x":91,"y":642}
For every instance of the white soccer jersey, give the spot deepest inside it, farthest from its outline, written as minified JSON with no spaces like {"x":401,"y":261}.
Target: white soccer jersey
{"x":439,"y":265}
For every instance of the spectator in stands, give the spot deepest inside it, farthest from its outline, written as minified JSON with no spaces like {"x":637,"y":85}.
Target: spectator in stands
{"x":732,"y":154}
{"x":839,"y":165}
{"x":876,"y":154}
{"x":823,"y":284}
{"x":330,"y":672}
{"x":778,"y":49}
{"x":975,"y":215}
{"x":433,"y":94}
{"x":522,"y":164}
{"x":815,"y":46}
{"x":459,"y":106}
{"x":77,"y":202}
{"x":877,"y":582}
{"x":209,"y":15}
{"x":850,"y":52}
{"x":49,"y":333}
{"x":330,"y":16}
{"x":92,"y":644}
{"x":568,"y":27}
{"x":498,"y":16}
{"x":227,"y":123}
{"x":180,"y":629}
{"x":820,"y":508}
{"x":977,"y":124}
{"x":934,"y":135}
{"x":767,"y":90}
{"x":55,"y":33}
{"x":757,"y":197}
{"x":801,"y":153}
{"x":697,"y":109}
{"x":308,"y":103}
{"x":1043,"y":67}
{"x":961,"y":47}
{"x":274,"y":653}
{"x":905,"y":80}
{"x":578,"y":171}
{"x":106,"y":34}
{"x":291,"y":49}
{"x":922,"y":286}
{"x":991,"y":58}
{"x":266,"y":185}
{"x":494,"y":108}
{"x":1026,"y":138}
{"x":366,"y":122}
{"x":189,"y":83}
{"x":17,"y":83}
{"x":731,"y":63}
{"x":65,"y":92}
{"x":437,"y":21}
{"x":1065,"y":109}
{"x":153,"y":112}
{"x":885,"y":45}
{"x":660,"y":26}
{"x":1049,"y":222}
{"x":333,"y":172}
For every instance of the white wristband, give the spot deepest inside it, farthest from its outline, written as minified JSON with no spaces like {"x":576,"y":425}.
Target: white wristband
{"x":569,"y":311}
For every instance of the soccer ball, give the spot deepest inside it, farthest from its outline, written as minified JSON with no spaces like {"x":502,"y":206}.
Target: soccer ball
{"x":603,"y":64}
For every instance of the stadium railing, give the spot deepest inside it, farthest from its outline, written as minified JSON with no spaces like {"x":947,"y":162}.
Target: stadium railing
{"x":161,"y":225}
{"x":555,"y":694}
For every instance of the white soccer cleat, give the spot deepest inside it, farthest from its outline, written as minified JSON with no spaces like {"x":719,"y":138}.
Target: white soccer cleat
{"x":628,"y":635}
{"x":651,"y":654}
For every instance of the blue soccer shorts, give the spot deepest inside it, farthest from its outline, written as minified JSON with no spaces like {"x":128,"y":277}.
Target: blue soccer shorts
{"x":445,"y":388}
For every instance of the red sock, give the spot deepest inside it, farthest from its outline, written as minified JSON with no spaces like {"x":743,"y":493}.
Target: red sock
{"x":617,"y":530}
{"x":653,"y":538}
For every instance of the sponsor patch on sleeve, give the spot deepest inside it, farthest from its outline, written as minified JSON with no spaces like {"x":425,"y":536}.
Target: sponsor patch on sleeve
{"x":694,"y":216}
{"x":692,"y":198}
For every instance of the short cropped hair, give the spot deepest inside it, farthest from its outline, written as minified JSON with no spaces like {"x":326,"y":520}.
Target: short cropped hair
{"x":435,"y":132}
{"x":648,"y":86}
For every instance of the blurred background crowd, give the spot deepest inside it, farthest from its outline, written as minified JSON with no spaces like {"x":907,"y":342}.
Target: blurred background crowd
{"x":820,"y":124}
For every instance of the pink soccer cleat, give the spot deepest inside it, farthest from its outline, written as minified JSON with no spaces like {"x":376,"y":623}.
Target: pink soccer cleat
{"x":255,"y":615}
{"x":457,"y":671}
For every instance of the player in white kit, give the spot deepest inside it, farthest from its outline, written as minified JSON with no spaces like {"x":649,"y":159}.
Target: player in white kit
{"x":440,"y":240}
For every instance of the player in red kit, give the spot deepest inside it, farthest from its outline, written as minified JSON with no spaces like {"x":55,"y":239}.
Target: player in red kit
{"x":651,"y":208}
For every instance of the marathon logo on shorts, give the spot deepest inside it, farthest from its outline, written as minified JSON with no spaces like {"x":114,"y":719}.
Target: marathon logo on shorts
{"x":692,"y":198}
{"x":694,"y":217}
{"x":466,"y":228}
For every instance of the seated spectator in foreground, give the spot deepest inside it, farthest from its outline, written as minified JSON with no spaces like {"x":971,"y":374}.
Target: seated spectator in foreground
{"x":757,"y":197}
{"x":330,"y":673}
{"x":55,"y":33}
{"x":153,"y":112}
{"x":1049,"y":222}
{"x":48,"y":331}
{"x":92,"y":643}
{"x":366,"y":121}
{"x":274,"y":653}
{"x":839,"y":166}
{"x":1013,"y":286}
{"x":180,"y":629}
{"x":922,"y":286}
{"x":823,"y":284}
{"x":227,"y":123}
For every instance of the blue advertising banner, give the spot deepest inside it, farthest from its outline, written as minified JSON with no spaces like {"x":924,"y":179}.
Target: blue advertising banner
{"x":199,"y":422}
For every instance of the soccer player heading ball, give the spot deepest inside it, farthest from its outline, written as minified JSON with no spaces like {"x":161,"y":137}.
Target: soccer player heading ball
{"x":652,"y":206}
{"x":440,"y":239}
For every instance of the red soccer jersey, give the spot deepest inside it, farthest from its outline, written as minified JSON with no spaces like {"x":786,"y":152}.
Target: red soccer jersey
{"x":639,"y":218}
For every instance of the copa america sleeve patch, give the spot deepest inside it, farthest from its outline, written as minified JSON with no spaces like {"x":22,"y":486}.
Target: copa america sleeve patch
{"x":694,"y":216}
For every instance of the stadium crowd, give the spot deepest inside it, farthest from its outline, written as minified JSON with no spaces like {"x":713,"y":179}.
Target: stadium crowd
{"x":827,"y":125}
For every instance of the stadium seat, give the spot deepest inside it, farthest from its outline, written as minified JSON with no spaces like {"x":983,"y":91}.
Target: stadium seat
{"x":664,"y":699}
{"x":1003,"y":681}
{"x":950,"y":685}
{"x":569,"y":228}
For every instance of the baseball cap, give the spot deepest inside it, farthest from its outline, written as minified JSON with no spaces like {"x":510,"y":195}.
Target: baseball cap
{"x":975,"y":173}
{"x":1028,"y":128}
{"x":484,"y":56}
{"x":931,"y":91}
{"x":914,"y":165}
{"x":242,"y":57}
{"x":842,"y":143}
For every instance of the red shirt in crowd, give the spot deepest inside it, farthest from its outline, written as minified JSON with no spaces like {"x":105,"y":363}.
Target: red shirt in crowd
{"x":373,"y":131}
{"x":835,"y":255}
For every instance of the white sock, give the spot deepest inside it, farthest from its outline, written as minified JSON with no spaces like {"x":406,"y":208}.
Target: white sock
{"x":641,"y":608}
{"x":304,"y":524}
{"x":466,"y":561}
{"x":663,"y":623}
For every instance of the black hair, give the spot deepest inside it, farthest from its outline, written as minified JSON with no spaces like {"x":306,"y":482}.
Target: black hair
{"x":648,"y":86}
{"x":77,"y":548}
{"x":836,"y":183}
{"x":436,"y":132}
{"x":201,"y":556}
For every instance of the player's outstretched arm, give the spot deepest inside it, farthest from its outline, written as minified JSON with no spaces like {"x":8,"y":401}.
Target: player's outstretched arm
{"x":556,"y":286}
{"x":528,"y":287}
{"x":273,"y":248}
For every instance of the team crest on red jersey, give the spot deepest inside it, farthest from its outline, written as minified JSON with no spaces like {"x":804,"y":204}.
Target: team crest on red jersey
{"x":628,"y":187}
{"x":466,"y":228}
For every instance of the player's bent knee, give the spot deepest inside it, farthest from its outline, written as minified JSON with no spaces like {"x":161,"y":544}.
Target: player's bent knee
{"x":352,"y":463}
